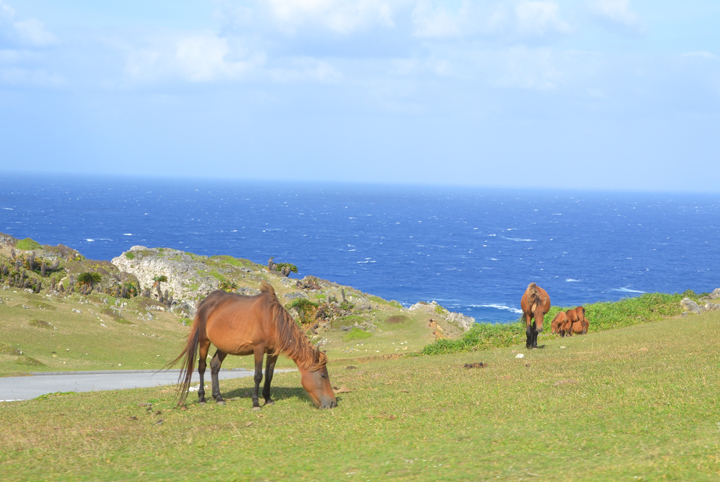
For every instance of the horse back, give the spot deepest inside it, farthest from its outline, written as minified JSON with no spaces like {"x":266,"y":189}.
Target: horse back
{"x":235,"y":324}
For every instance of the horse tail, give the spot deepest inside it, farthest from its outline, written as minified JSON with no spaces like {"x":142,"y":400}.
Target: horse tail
{"x":188,"y":357}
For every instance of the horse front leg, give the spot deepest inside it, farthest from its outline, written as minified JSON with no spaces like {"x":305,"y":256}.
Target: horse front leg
{"x":269,"y":369}
{"x":215,"y":365}
{"x":528,"y":333}
{"x":202,"y":363}
{"x":259,"y":353}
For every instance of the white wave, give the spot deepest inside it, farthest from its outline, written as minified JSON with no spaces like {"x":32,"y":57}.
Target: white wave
{"x":557,"y":214}
{"x":570,"y":280}
{"x":89,"y":240}
{"x":518,"y":239}
{"x":499,"y":307}
{"x":627,"y":290}
{"x":8,"y":209}
{"x":493,"y":259}
{"x":365,"y":262}
{"x":127,"y":234}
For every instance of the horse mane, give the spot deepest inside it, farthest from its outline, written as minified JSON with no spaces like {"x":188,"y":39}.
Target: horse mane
{"x":289,"y":338}
{"x":534,"y":297}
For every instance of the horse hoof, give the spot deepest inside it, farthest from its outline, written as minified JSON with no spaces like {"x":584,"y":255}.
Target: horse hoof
{"x":219,"y":402}
{"x":256,"y":409}
{"x":202,"y":402}
{"x":269,"y":402}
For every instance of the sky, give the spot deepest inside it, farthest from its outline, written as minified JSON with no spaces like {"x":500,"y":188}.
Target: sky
{"x":583,"y":95}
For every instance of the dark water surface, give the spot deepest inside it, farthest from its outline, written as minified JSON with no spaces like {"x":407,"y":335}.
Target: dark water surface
{"x":472,"y":250}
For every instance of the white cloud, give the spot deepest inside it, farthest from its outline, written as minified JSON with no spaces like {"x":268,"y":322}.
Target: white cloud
{"x":511,"y":19}
{"x":32,"y":32}
{"x":616,"y":13}
{"x":341,"y":16}
{"x":200,"y":57}
{"x":701,"y":54}
{"x":207,"y":57}
{"x":23,"y":77}
{"x":539,"y":17}
{"x":28,"y":32}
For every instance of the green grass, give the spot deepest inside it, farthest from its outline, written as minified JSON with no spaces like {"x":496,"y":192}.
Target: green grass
{"x":27,"y":244}
{"x":130,"y":255}
{"x":603,"y":316}
{"x":636,"y":403}
{"x":356,"y":333}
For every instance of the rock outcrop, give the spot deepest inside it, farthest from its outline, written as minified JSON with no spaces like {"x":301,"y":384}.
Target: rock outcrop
{"x":190,"y":277}
{"x":690,"y":306}
{"x":458,"y":319}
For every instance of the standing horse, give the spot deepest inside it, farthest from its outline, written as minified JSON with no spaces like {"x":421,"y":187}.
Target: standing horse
{"x":535,"y":303}
{"x":251,"y":325}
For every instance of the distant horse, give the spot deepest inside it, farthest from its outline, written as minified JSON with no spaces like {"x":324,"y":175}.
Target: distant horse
{"x":575,"y":315}
{"x":580,"y":327}
{"x":558,"y":325}
{"x":251,"y":325}
{"x":535,"y":303}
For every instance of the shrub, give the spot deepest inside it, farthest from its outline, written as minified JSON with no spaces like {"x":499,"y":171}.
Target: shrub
{"x":27,"y":244}
{"x":356,"y":334}
{"x":306,"y":309}
{"x":89,"y":278}
{"x":41,"y":324}
{"x":396,"y":319}
{"x":130,"y":255}
{"x":290,"y":266}
{"x":26,"y":360}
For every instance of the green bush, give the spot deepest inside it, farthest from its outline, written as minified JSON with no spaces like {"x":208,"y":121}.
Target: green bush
{"x":306,"y":310}
{"x":130,"y":255}
{"x":356,"y":334}
{"x":292,"y":267}
{"x":27,"y":244}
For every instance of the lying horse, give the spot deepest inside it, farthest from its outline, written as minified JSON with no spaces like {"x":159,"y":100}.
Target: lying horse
{"x":251,"y":325}
{"x":576,"y":316}
{"x":535,"y":303}
{"x":580,"y":327}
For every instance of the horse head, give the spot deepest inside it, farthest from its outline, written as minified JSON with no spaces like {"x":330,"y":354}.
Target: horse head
{"x":538,"y":310}
{"x":316,"y":382}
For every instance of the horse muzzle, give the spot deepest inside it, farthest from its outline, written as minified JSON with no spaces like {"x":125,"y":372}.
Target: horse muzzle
{"x":329,"y":403}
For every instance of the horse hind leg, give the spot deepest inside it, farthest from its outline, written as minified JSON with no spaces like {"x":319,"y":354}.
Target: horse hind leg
{"x":269,"y":370}
{"x":202,"y":363}
{"x":215,"y":365}
{"x":259,"y":354}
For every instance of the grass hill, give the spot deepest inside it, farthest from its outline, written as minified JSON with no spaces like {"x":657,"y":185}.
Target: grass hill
{"x":635,"y":403}
{"x":62,"y":312}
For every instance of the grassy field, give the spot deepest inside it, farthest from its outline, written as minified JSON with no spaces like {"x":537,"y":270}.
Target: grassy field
{"x":74,"y":332}
{"x":634,"y":403}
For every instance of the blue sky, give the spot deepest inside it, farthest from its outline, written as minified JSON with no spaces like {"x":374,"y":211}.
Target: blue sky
{"x":596,"y":94}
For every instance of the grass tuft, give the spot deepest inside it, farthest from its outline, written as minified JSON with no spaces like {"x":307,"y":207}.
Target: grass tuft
{"x":356,"y":333}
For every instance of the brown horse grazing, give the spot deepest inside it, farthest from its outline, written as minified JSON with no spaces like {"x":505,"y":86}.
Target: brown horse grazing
{"x":558,"y":325}
{"x":251,"y":325}
{"x":535,"y":303}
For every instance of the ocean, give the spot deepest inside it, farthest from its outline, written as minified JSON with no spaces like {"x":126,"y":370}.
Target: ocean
{"x":473,"y":250}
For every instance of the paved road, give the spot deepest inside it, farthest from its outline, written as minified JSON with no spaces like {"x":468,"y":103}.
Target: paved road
{"x":26,"y":388}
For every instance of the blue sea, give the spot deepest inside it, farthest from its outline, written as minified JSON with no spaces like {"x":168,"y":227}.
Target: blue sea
{"x":473,"y":250}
